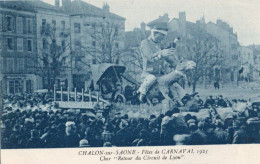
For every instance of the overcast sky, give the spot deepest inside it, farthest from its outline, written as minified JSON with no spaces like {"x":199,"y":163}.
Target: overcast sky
{"x":242,"y":15}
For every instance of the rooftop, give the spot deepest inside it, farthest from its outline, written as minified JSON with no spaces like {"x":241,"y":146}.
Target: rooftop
{"x":76,"y":7}
{"x":82,"y":8}
{"x":17,"y":5}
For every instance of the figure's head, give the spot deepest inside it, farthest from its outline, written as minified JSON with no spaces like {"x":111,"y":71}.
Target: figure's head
{"x":187,"y":65}
{"x":159,"y":28}
{"x":158,"y":35}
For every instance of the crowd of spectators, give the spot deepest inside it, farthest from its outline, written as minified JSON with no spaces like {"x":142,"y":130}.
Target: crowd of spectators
{"x":25,"y":124}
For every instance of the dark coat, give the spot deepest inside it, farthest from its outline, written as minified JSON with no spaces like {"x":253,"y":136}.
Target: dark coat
{"x":220,"y":136}
{"x":71,"y":141}
{"x":35,"y":143}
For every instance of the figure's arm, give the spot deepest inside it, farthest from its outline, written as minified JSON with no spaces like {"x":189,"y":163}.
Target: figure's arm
{"x":149,"y":55}
{"x":165,"y":53}
{"x":147,"y":52}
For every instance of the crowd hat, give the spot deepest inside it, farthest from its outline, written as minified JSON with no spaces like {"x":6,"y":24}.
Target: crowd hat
{"x":83,"y":143}
{"x":107,"y":144}
{"x":254,"y":120}
{"x":123,"y":124}
{"x":219,"y":123}
{"x":70,"y":123}
{"x":180,"y":139}
{"x":191,"y":121}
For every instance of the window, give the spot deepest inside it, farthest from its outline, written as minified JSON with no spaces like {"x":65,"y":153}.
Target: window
{"x":10,"y":43}
{"x":9,"y":23}
{"x":117,"y":45}
{"x":29,"y":25}
{"x":43,"y":22}
{"x":29,"y":45}
{"x":16,"y":86}
{"x":11,"y":87}
{"x":19,"y":44}
{"x":19,"y":25}
{"x":28,"y":86}
{"x":93,"y":27}
{"x":76,"y":27}
{"x":63,"y":45}
{"x":1,"y":22}
{"x":63,"y":25}
{"x":20,"y":64}
{"x":77,"y":44}
{"x":44,"y":43}
{"x":116,"y":30}
{"x":1,"y":64}
{"x":10,"y":65}
{"x":1,"y":43}
{"x":53,"y":24}
{"x":29,"y":64}
{"x":19,"y":86}
{"x":94,"y":43}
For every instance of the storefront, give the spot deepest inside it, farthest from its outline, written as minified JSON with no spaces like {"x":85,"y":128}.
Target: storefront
{"x":22,"y":83}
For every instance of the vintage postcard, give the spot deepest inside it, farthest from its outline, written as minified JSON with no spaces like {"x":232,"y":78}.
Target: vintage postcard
{"x":130,"y":81}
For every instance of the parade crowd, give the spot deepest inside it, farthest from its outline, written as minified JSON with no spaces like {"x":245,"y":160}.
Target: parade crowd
{"x":24,"y":124}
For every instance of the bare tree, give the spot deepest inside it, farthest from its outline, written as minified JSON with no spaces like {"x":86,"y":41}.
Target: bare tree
{"x":132,"y":57}
{"x":105,"y":42}
{"x":203,"y":49}
{"x":53,"y":58}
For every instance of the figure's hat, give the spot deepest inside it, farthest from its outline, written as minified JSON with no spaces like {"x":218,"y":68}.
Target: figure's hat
{"x":160,"y":24}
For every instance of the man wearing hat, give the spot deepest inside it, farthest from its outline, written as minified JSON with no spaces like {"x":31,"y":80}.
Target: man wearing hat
{"x":71,"y":137}
{"x":150,"y":51}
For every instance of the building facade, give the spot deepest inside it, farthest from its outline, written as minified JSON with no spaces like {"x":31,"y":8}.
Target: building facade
{"x":18,"y":48}
{"x":26,"y":28}
{"x":230,"y":46}
{"x":96,"y":35}
{"x":53,"y":23}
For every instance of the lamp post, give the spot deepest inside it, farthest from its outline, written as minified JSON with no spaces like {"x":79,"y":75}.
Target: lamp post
{"x":68,"y":94}
{"x":54,"y":92}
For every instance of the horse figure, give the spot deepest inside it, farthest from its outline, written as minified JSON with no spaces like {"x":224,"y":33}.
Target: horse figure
{"x":167,"y":83}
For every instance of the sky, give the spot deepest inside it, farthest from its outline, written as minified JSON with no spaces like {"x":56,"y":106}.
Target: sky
{"x":242,"y":15}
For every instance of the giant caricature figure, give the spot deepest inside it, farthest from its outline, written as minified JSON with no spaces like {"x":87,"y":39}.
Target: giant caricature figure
{"x":153,"y":69}
{"x":150,"y":51}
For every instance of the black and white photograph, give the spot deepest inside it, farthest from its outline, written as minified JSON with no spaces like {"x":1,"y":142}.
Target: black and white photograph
{"x":129,"y":73}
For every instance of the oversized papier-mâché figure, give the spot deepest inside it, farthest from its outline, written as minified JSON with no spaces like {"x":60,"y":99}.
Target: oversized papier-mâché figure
{"x":154,"y":59}
{"x":151,"y":52}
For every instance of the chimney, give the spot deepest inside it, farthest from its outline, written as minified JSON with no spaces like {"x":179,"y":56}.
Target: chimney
{"x":57,"y":3}
{"x":143,"y":26}
{"x":182,"y":16}
{"x":66,"y":4}
{"x":106,"y":7}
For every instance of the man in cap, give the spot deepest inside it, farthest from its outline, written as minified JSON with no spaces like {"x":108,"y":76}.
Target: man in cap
{"x":150,"y":51}
{"x":71,"y":137}
{"x":35,"y":141}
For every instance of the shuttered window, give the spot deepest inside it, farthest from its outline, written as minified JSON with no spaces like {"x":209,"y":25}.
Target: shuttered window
{"x":9,"y":23}
{"x":19,"y":25}
{"x":20,"y":44}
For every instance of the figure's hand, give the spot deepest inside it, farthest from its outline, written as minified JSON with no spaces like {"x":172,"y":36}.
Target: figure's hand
{"x":168,"y":52}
